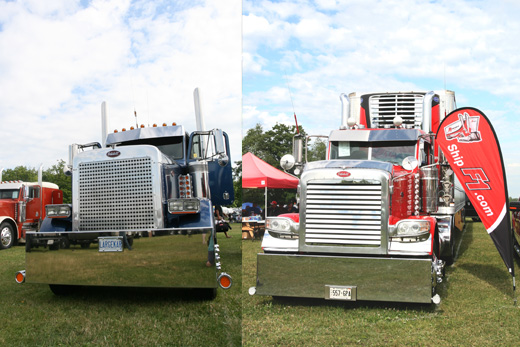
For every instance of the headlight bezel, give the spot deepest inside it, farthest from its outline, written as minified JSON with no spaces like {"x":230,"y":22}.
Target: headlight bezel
{"x":411,"y":230}
{"x":183,"y":206}
{"x":58,"y":211}
{"x":282,"y":227}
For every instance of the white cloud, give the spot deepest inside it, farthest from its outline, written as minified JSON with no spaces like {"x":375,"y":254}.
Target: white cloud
{"x":63,"y":61}
{"x":330,"y":47}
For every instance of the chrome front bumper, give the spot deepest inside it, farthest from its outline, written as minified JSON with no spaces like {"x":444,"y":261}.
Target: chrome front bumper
{"x":166,"y":259}
{"x":371,"y":278}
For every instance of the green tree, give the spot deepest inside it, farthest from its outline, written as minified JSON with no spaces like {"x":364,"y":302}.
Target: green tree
{"x":253,"y":141}
{"x":270,"y":146}
{"x":317,"y":150}
{"x":54,"y":174}
{"x":237,"y":184}
{"x":20,"y":173}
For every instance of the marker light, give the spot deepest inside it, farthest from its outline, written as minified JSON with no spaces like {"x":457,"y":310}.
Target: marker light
{"x":155,"y":125}
{"x":224,"y":281}
{"x":132,"y":128}
{"x":124,"y":129}
{"x":174,"y":124}
{"x":163,"y":124}
{"x":20,"y":276}
{"x":142,"y":125}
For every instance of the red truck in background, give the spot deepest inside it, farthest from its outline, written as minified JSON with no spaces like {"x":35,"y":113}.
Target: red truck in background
{"x":22,"y":208}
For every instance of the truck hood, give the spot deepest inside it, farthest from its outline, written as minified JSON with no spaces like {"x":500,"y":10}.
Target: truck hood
{"x":343,"y":164}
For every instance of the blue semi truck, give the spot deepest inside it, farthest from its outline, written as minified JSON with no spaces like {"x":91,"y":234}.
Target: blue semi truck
{"x":141,"y":212}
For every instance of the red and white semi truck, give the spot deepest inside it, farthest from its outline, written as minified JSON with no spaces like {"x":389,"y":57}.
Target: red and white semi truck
{"x":22,"y":208}
{"x":378,"y":217}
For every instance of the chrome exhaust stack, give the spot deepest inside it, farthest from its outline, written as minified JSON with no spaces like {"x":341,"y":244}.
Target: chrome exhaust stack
{"x":345,"y":110}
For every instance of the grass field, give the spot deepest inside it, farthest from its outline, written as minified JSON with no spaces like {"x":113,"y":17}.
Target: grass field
{"x":477,"y":309}
{"x":31,"y":315}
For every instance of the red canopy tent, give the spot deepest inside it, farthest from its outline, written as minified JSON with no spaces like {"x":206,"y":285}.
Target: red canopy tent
{"x":256,"y":173}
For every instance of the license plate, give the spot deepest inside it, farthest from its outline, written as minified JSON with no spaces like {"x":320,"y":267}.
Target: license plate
{"x":111,"y":244}
{"x":347,"y":293}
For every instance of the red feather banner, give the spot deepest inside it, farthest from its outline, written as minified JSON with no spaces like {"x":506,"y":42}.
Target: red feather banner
{"x":470,"y":145}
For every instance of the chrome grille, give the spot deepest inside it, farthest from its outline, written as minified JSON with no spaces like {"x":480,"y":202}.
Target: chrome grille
{"x":343,"y":214}
{"x":116,"y":195}
{"x":384,"y":108}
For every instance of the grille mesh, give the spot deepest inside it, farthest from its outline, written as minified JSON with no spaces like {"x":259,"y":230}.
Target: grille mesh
{"x":116,"y":195}
{"x":342,"y":214}
{"x":384,"y":108}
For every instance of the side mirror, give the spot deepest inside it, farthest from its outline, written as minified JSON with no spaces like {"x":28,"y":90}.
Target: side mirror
{"x":223,"y":159}
{"x":410,"y":163}
{"x":67,"y":170}
{"x":287,"y":162}
{"x":220,"y":147}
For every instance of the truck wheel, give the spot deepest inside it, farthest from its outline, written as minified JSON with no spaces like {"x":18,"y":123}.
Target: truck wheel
{"x":7,"y":236}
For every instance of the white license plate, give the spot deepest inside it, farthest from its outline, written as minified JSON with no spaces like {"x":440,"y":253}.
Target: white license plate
{"x":340,"y":293}
{"x":111,"y":244}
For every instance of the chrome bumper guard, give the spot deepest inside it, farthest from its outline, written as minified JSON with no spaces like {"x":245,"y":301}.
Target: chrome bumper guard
{"x":370,"y":278}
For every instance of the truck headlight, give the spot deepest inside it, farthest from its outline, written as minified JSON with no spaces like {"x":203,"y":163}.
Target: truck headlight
{"x":57,"y":211}
{"x":176,"y":206}
{"x":412,"y":230}
{"x":282,"y":227}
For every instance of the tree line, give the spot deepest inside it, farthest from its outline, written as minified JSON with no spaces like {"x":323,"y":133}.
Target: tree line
{"x":54,"y":174}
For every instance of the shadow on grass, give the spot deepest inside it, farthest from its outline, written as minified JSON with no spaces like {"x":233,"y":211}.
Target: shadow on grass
{"x":463,"y":239}
{"x":141,"y":295}
{"x":490,"y":274}
{"x":352,"y":305}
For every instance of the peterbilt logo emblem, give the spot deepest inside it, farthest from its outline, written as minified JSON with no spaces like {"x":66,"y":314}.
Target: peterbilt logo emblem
{"x":343,"y":174}
{"x":113,"y":154}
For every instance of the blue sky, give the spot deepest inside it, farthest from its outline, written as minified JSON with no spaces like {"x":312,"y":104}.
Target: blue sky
{"x":323,"y":48}
{"x":60,"y":59}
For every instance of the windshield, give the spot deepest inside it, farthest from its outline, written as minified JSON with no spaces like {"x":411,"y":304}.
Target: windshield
{"x":9,"y":193}
{"x":172,"y":147}
{"x":393,"y":152}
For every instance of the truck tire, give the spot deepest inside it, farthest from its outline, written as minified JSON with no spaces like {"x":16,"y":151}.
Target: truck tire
{"x":7,"y":236}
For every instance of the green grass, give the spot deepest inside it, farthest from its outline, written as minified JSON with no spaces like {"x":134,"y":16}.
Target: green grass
{"x":31,"y":315}
{"x":477,"y":308}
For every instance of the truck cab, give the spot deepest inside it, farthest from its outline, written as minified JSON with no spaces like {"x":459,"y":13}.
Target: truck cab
{"x":22,"y":208}
{"x":384,"y":197}
{"x":142,"y":203}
